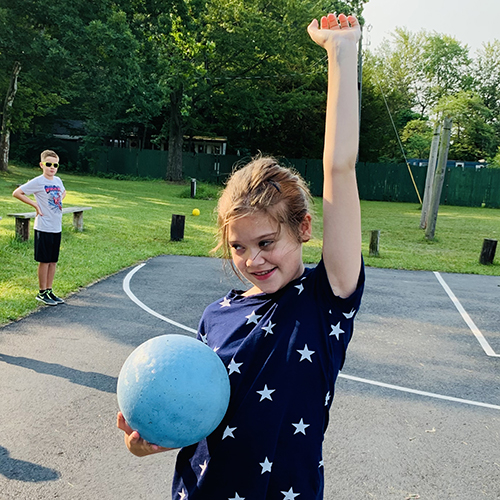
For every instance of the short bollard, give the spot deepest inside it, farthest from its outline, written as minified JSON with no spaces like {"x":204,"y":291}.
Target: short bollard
{"x":193,"y":188}
{"x":488,"y":251}
{"x":177,"y":227}
{"x":374,"y":243}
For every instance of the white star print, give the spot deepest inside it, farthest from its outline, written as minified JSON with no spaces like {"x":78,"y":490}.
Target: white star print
{"x":216,"y":349}
{"x":204,"y":338}
{"x":269,"y":328}
{"x":301,"y":427}
{"x":203,"y":467}
{"x":305,"y":354}
{"x":234,"y":367}
{"x":182,"y":494}
{"x":289,"y":495}
{"x":336,"y":330}
{"x":266,"y":393}
{"x":327,"y":398}
{"x":236,"y":497}
{"x":300,"y":288}
{"x":228,"y":432}
{"x":351,"y":314}
{"x":253,"y":318}
{"x":266,"y":466}
{"x":321,"y":464}
{"x":225,"y":303}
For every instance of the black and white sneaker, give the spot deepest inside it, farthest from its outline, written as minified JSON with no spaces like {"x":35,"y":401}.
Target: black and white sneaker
{"x":54,"y":297}
{"x":45,"y":298}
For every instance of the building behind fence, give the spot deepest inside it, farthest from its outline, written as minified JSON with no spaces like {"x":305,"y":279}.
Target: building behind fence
{"x":376,"y":181}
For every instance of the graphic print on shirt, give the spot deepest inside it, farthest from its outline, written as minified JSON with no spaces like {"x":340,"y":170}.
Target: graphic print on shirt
{"x":55,"y":198}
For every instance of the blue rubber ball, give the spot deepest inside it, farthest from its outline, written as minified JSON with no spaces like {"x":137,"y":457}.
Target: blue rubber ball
{"x":174,"y":390}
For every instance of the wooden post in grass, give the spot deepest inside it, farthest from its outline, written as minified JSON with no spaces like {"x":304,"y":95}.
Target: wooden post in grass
{"x":437,"y":185}
{"x":23,"y":229}
{"x":431,"y":168}
{"x":177,"y":227}
{"x":374,"y":243}
{"x":488,"y":251}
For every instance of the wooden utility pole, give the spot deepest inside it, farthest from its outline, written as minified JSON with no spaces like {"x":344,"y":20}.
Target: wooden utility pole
{"x":431,"y":168}
{"x":7,"y":111}
{"x":437,"y":185}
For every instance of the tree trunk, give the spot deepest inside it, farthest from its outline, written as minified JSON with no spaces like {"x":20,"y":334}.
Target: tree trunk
{"x":174,"y":168}
{"x":7,"y":110}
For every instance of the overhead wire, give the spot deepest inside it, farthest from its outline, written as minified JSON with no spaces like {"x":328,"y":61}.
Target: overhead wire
{"x":399,"y":142}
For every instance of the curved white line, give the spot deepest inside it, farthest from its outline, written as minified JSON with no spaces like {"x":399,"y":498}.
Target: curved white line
{"x":126,"y":288}
{"x":474,"y":329}
{"x":420,"y":393}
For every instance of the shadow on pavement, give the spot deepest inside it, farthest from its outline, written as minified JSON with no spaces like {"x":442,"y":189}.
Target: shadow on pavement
{"x":21,"y":470}
{"x":95,"y":380}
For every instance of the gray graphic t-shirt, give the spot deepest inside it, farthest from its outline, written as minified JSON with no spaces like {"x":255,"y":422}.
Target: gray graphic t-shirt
{"x":48,"y":195}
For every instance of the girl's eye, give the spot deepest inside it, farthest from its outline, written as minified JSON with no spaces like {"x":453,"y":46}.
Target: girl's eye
{"x":236,"y":247}
{"x":265,"y":243}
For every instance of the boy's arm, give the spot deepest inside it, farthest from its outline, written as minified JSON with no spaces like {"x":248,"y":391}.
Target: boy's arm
{"x":341,"y":211}
{"x":19,"y":194}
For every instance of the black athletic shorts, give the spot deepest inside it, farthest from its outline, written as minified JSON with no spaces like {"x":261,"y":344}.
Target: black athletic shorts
{"x":47,"y":246}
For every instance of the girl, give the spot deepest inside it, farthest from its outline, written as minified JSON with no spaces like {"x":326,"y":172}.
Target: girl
{"x":284,"y":339}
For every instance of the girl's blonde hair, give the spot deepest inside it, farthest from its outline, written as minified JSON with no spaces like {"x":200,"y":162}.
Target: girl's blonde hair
{"x":263,"y":185}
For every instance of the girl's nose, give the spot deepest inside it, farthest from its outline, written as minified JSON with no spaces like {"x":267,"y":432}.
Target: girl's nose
{"x":254,"y":260}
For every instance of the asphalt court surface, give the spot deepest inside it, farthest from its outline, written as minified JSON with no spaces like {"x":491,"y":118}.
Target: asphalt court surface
{"x":416,"y":413}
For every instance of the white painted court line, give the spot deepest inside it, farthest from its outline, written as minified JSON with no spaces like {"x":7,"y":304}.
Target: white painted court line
{"x":475,"y":330}
{"x":126,"y":288}
{"x":420,"y":393}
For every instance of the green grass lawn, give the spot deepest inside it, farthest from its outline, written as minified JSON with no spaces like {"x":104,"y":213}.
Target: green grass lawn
{"x":130,"y":222}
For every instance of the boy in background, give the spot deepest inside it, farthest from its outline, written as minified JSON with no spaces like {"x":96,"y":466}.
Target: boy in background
{"x":49,"y":193}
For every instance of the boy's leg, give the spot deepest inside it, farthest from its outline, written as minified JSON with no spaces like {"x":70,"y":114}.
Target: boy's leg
{"x":51,"y":271}
{"x":43,"y":274}
{"x":47,"y":253}
{"x":50,"y":279}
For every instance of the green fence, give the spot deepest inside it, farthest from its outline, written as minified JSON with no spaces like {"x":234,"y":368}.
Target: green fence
{"x":376,"y":181}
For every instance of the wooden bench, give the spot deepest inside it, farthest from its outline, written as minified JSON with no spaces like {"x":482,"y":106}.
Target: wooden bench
{"x":23,"y":220}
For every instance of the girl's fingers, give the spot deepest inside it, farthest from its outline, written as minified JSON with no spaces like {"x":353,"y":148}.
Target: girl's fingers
{"x":121,"y":423}
{"x":343,"y":21}
{"x":332,"y":22}
{"x":353,"y":21}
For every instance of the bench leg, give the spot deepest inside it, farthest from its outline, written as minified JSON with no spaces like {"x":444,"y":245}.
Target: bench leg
{"x":78,"y":221}
{"x":23,"y":229}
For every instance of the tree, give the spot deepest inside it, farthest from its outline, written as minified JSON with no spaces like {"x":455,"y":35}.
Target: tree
{"x":416,"y":138}
{"x":414,"y":71}
{"x":6,"y":117}
{"x":243,"y":69}
{"x":473,"y":135}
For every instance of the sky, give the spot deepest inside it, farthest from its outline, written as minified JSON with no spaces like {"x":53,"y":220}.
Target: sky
{"x":451,"y":17}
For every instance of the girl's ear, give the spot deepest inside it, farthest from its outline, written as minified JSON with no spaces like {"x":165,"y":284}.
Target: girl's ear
{"x":306,"y":228}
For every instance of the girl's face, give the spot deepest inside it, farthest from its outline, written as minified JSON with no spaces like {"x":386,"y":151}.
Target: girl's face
{"x":267,"y":257}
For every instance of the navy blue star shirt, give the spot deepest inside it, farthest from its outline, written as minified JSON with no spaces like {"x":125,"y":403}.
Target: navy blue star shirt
{"x":283,"y":352}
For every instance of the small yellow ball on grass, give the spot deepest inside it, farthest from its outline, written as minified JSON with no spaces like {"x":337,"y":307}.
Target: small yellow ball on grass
{"x":196,"y":212}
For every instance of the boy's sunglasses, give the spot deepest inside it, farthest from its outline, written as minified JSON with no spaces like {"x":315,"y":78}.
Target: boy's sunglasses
{"x":48,"y":164}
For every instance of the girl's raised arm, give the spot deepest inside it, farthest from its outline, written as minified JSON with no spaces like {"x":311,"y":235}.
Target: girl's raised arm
{"x":341,"y":211}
